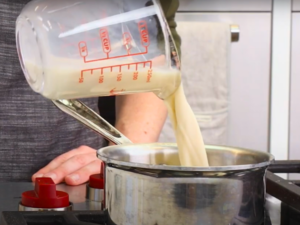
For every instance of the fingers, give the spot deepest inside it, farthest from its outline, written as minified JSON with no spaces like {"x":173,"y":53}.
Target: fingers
{"x":82,"y":175}
{"x":60,"y":160}
{"x":71,"y":165}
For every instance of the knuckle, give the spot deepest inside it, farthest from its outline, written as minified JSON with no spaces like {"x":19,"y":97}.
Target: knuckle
{"x":92,"y":168}
{"x":80,"y":160}
{"x":81,"y":147}
{"x":60,"y":158}
{"x":59,"y":174}
{"x":84,"y":148}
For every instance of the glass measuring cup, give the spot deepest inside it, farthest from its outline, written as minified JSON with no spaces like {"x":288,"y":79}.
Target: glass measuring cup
{"x":76,"y":49}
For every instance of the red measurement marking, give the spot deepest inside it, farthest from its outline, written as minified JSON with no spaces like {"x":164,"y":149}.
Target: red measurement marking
{"x":119,"y":77}
{"x":81,"y":79}
{"x":143,"y":29}
{"x":135,"y":75}
{"x":115,"y":57}
{"x":105,"y":40}
{"x":83,"y":49}
{"x":127,"y":41}
{"x":118,"y":66}
{"x":115,"y":92}
{"x":101,"y":79}
{"x":149,"y":76}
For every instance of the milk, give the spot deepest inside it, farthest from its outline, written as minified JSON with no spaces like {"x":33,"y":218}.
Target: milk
{"x":73,"y":79}
{"x":189,"y":138}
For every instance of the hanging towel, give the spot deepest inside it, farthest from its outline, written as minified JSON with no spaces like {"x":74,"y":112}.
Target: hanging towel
{"x":205,"y":72}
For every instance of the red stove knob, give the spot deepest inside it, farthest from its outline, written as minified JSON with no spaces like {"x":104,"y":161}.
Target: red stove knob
{"x":97,"y":181}
{"x":45,"y":195}
{"x":95,"y":188}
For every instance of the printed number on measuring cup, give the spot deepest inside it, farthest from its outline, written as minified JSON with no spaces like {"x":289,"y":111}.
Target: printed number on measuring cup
{"x":149,"y":76}
{"x":119,"y":77}
{"x":135,"y":75}
{"x":101,"y":79}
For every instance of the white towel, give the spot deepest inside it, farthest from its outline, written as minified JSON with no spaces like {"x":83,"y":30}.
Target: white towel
{"x":205,"y":73}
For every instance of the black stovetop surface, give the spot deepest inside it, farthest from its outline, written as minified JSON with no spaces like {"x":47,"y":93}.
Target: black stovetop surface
{"x":87,"y":213}
{"x":65,"y":218}
{"x":54,"y":218}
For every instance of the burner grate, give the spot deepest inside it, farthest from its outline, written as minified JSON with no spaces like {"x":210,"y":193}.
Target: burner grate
{"x":287,"y":191}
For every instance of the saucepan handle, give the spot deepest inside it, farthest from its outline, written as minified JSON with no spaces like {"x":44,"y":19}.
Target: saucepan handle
{"x":285,"y":166}
{"x":91,"y":119}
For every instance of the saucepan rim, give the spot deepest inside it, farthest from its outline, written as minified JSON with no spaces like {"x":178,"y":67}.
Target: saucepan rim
{"x":103,"y":155}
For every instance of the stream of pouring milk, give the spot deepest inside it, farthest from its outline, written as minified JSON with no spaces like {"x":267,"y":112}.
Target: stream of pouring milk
{"x":62,"y":82}
{"x":189,"y":138}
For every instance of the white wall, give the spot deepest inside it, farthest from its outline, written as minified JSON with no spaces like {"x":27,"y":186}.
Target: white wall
{"x":264,"y":82}
{"x":249,"y":77}
{"x":250,"y":65}
{"x":294,"y":144}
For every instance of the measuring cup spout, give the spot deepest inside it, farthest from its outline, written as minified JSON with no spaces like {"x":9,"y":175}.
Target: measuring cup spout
{"x":91,"y":119}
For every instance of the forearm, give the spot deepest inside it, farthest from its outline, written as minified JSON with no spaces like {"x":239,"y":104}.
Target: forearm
{"x":140,"y":117}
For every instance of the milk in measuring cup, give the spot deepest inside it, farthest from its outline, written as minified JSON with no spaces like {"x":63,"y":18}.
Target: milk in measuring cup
{"x":76,"y":80}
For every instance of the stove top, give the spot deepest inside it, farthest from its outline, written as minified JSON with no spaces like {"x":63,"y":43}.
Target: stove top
{"x":55,"y":218}
{"x":282,"y":202}
{"x":64,"y":218}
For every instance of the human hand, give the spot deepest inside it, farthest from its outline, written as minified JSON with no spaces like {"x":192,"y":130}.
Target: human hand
{"x":73,"y":167}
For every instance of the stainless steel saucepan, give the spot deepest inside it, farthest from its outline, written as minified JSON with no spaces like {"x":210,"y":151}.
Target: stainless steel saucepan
{"x":144,"y":184}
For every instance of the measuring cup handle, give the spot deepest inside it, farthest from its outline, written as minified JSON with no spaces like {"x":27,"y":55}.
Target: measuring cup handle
{"x":91,"y":119}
